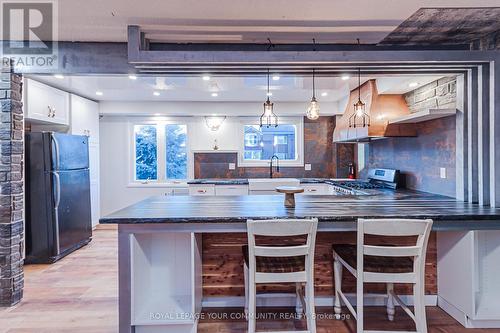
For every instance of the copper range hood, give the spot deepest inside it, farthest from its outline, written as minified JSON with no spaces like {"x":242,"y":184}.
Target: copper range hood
{"x":381,"y":109}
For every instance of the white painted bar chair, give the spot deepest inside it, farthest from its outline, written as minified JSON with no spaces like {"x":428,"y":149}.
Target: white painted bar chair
{"x":385,"y":264}
{"x":280,"y":264}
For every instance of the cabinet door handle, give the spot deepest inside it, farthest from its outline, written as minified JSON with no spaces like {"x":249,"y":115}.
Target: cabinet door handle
{"x":49,"y":114}
{"x":53,"y":112}
{"x":312,"y":190}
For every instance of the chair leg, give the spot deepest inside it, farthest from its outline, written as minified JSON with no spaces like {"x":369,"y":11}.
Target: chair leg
{"x":420,"y":316}
{"x":337,"y":276}
{"x":359,"y":305}
{"x":390,"y":302}
{"x":245,"y":276}
{"x":310,"y":307}
{"x":252,"y":307}
{"x":299,"y":309}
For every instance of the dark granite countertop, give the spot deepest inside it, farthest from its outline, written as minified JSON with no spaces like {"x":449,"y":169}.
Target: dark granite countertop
{"x":242,"y":181}
{"x":232,"y":181}
{"x":328,"y":208}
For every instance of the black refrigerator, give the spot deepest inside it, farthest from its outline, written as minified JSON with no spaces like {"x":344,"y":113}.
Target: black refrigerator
{"x":58,"y":215}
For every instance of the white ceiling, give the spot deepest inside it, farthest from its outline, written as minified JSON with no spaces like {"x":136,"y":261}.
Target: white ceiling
{"x":328,"y":21}
{"x":228,"y":88}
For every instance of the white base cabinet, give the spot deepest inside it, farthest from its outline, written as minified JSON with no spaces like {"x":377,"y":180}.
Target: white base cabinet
{"x":166,"y":282}
{"x":468,"y":269}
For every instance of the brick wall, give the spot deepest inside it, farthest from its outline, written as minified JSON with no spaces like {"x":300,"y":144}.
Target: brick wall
{"x":440,"y":94}
{"x":11,"y":188}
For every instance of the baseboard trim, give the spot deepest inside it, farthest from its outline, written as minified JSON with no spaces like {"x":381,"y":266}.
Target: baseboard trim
{"x":464,"y":319}
{"x":288,"y":300}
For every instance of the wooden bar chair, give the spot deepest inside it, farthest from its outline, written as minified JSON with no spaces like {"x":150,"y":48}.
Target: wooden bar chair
{"x":280,"y":264}
{"x":385,"y":264}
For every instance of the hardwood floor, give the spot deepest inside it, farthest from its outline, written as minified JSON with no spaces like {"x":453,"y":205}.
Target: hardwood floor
{"x":79,"y":294}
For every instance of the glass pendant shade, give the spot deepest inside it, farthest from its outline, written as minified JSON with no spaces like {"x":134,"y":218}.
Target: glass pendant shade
{"x":313,"y":110}
{"x":214,"y":122}
{"x":268,"y":118}
{"x":359,"y":108}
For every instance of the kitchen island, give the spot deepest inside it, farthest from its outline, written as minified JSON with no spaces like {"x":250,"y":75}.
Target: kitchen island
{"x":160,"y":241}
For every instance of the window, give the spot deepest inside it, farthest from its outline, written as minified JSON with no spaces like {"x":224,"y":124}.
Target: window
{"x":259,"y":144}
{"x":146,"y":152}
{"x":280,"y":140}
{"x":176,"y":151}
{"x":160,"y":152}
{"x":251,"y":139}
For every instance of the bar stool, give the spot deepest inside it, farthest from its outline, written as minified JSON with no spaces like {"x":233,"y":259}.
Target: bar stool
{"x":280,"y":264}
{"x":385,"y":264}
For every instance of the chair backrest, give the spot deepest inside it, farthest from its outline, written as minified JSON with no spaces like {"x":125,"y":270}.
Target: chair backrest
{"x":281,"y":228}
{"x":394,"y":227}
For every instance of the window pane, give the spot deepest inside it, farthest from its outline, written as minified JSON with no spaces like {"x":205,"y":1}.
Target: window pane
{"x":263,"y":143}
{"x":176,"y":153}
{"x":145,"y":152}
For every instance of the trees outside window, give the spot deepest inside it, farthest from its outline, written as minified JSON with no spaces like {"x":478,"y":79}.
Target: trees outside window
{"x":160,"y":152}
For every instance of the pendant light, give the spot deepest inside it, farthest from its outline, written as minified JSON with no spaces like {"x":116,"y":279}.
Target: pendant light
{"x":268,"y":118}
{"x":359,"y":118}
{"x":313,"y":109}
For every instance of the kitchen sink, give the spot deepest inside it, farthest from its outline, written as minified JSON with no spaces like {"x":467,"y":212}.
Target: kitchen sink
{"x":270,"y":184}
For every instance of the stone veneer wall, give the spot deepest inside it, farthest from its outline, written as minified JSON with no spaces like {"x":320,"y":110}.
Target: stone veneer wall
{"x":11,"y":188}
{"x":327,"y":159}
{"x":488,"y":42}
{"x":439,"y":94}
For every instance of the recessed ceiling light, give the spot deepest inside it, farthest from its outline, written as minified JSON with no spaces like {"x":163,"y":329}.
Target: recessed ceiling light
{"x":214,"y":94}
{"x":345,"y":77}
{"x":324,"y":93}
{"x":206,"y":78}
{"x":99,"y":93}
{"x":59,"y":76}
{"x":132,"y":77}
{"x":276,"y":77}
{"x":156,"y":93}
{"x":413,"y":84}
{"x":157,"y":114}
{"x":269,"y":94}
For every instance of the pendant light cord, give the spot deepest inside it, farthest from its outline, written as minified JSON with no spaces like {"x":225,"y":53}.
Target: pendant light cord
{"x":268,"y":84}
{"x":359,"y":84}
{"x":314,"y":94}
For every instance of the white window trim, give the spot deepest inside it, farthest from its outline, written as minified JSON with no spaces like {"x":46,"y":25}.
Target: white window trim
{"x":162,"y":181}
{"x":299,"y":143}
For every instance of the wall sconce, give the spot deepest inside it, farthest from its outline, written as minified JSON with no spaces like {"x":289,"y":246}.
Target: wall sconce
{"x":214,"y":122}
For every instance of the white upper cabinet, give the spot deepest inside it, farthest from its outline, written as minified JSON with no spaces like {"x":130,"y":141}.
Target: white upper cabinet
{"x":85,"y":118}
{"x":45,"y":104}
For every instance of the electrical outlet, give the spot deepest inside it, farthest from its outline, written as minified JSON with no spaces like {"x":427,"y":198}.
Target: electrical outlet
{"x":442,"y":172}
{"x":307,"y":167}
{"x":232,"y":166}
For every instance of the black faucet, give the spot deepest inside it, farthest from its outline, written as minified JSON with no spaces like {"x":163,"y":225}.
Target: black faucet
{"x":271,"y":165}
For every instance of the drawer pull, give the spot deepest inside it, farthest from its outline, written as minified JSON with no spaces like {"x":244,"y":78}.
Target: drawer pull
{"x":202,"y":191}
{"x":312,"y":190}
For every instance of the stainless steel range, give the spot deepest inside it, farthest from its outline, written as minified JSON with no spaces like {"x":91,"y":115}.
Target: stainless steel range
{"x":378,"y":180}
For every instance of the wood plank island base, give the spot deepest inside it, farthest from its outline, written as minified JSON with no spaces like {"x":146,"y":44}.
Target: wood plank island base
{"x":161,"y":264}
